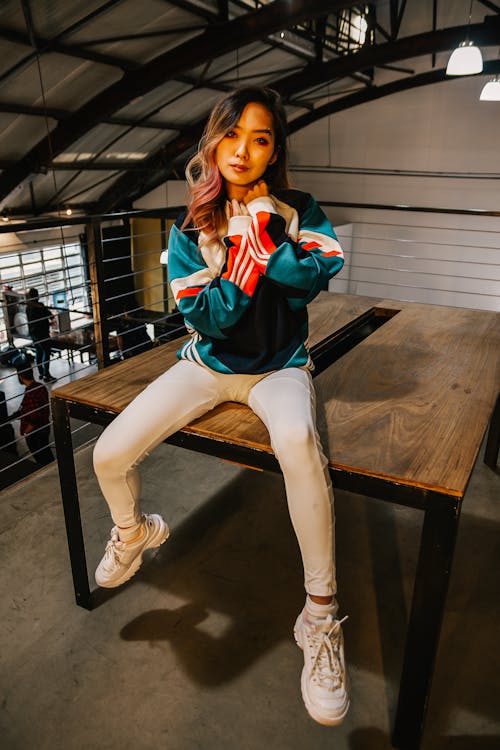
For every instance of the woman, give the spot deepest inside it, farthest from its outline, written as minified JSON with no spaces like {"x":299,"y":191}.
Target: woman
{"x":244,"y":261}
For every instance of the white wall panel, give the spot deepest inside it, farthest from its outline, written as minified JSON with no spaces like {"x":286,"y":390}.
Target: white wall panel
{"x":448,"y":140}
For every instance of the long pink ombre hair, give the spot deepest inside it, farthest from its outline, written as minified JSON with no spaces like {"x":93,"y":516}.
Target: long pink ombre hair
{"x":207,"y":193}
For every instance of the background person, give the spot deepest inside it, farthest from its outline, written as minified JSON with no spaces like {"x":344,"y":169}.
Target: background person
{"x":39,"y":317}
{"x":34,"y":413}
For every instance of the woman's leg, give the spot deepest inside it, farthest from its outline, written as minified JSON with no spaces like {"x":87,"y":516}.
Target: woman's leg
{"x":39,"y":352}
{"x":38,"y":443}
{"x":47,"y":348}
{"x":181,"y":394}
{"x":285,"y":401}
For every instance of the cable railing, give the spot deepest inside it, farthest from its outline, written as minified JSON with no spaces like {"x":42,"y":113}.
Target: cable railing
{"x":118,"y":305}
{"x":456,"y":265}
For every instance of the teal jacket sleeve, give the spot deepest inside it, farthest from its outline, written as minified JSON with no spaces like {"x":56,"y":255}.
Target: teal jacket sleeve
{"x":305,"y":265}
{"x":211,"y":302}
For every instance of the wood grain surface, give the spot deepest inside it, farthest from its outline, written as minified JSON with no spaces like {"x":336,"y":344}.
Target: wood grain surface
{"x":410,"y":403}
{"x":114,"y":387}
{"x":413,"y":400}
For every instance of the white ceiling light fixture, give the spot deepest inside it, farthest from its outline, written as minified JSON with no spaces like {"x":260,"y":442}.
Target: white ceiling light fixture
{"x":491,"y":91}
{"x":466,"y":59}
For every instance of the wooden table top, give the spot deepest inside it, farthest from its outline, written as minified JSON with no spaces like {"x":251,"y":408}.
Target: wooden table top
{"x":411,"y":403}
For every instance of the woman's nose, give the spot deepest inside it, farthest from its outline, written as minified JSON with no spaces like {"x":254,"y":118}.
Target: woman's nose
{"x":242,"y":150}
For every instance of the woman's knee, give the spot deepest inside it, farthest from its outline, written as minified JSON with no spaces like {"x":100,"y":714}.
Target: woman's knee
{"x":108,"y":458}
{"x":294,"y":441}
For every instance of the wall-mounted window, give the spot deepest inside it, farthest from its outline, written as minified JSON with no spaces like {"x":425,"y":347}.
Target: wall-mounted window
{"x":57,"y":272}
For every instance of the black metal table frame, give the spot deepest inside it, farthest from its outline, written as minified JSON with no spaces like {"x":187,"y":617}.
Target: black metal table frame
{"x":437,"y":542}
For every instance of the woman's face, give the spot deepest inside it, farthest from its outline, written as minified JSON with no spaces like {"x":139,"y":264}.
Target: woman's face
{"x":246,"y":150}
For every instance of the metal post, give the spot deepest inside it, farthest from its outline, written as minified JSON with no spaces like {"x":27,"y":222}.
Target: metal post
{"x":71,"y":505}
{"x":96,"y":269}
{"x":493,"y":440}
{"x":429,"y":597}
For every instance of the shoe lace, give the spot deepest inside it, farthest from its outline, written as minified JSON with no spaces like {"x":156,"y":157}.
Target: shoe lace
{"x":325,"y":640}
{"x":113,"y":548}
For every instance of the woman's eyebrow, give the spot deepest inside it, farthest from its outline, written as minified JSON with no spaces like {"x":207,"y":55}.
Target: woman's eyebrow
{"x":268,"y":131}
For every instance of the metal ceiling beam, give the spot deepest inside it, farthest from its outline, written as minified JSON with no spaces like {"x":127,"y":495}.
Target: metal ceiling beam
{"x":223,"y":6}
{"x":15,"y":108}
{"x":396,"y":16}
{"x":196,"y":10}
{"x":434,"y":27}
{"x":490,"y":5}
{"x":400,"y":16}
{"x":110,"y":165}
{"x":443,"y":40}
{"x":141,"y":36}
{"x":71,"y":29}
{"x":382,"y":31}
{"x":491,"y":67}
{"x":44,"y":45}
{"x":393,"y":12}
{"x":129,"y":122}
{"x":32,"y":110}
{"x":77,"y":25}
{"x":127,"y":188}
{"x":215,"y":41}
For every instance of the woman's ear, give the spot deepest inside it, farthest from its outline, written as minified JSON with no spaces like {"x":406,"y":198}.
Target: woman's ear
{"x":273,"y":159}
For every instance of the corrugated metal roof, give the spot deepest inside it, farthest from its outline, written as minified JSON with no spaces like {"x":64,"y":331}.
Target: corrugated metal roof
{"x":60,"y":141}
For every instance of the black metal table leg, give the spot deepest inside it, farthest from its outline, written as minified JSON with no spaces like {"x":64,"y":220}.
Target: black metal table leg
{"x":429,"y":597}
{"x":493,"y":440}
{"x":71,"y":505}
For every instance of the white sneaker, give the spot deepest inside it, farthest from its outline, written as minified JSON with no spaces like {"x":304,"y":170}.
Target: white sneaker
{"x":121,"y":560}
{"x":323,"y":682}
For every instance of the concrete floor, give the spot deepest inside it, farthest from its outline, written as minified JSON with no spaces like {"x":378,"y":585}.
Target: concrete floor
{"x":196,"y":652}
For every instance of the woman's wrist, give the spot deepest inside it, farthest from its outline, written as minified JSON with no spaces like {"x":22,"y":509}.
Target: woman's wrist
{"x":261,"y":203}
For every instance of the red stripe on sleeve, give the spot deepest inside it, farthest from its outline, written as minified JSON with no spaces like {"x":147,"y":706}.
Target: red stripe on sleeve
{"x":190,"y":291}
{"x":311,"y":245}
{"x":263,"y":220}
{"x":329,"y":253}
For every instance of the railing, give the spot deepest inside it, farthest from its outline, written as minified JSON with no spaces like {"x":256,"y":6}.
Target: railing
{"x":119,"y":307}
{"x":442,"y":257}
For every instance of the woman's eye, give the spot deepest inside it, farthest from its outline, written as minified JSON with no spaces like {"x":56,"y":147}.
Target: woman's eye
{"x":262,"y":141}
{"x":230,"y":134}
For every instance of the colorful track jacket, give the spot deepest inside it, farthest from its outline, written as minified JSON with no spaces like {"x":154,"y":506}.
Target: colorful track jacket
{"x":244,"y":297}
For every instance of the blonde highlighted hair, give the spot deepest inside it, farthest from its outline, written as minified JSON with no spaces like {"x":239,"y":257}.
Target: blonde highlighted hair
{"x":206,"y":187}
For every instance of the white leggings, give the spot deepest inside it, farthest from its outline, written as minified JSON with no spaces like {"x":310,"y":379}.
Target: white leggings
{"x":284,"y":400}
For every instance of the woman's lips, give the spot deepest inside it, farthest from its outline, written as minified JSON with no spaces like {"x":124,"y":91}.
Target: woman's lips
{"x":239,"y":167}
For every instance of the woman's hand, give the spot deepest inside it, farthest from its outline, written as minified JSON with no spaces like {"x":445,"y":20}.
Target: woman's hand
{"x":259,"y":190}
{"x":238,"y":209}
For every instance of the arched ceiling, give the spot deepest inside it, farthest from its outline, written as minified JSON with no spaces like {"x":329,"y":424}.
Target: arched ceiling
{"x":100,"y":102}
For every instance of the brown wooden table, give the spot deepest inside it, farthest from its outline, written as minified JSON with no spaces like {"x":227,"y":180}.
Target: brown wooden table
{"x":406,"y":394}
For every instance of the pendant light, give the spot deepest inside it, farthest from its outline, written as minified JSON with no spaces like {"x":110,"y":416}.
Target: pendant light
{"x":491,"y":91}
{"x":466,"y":59}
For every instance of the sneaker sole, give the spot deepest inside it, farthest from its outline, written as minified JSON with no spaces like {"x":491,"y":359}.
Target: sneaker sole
{"x":329,"y":721}
{"x":136,"y":562}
